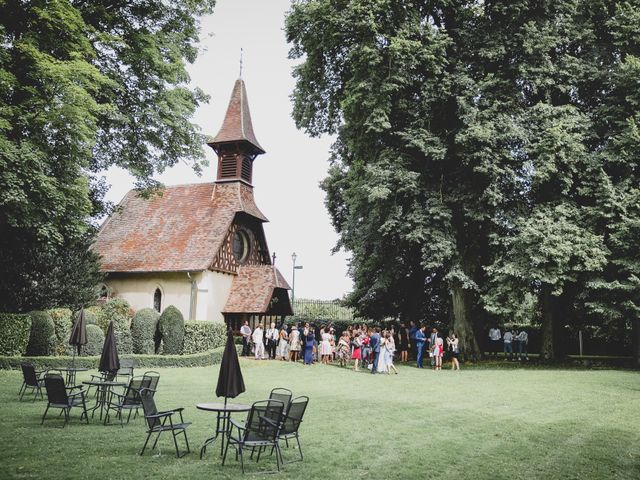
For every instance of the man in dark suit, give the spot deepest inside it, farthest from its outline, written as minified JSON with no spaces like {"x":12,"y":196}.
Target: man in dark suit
{"x":374,"y":344}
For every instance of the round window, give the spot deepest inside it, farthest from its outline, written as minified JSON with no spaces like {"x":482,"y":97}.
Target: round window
{"x":240,"y":246}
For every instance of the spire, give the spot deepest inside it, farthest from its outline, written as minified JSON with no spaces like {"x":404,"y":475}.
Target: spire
{"x":237,"y":128}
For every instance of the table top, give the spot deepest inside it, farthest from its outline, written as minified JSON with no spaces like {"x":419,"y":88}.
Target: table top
{"x":71,"y":369}
{"x":100,"y":383}
{"x":221,"y":407}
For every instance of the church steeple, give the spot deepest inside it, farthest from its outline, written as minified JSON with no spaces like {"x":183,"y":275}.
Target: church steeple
{"x":235,"y":143}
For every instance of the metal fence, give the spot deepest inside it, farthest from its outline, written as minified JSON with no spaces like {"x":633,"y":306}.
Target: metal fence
{"x":321,"y":310}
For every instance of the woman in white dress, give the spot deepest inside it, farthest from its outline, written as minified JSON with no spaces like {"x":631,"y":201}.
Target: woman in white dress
{"x":258,"y":342}
{"x":389,"y":350}
{"x":325,"y":346}
{"x":282,"y":350}
{"x":381,"y":367}
{"x":294,"y":344}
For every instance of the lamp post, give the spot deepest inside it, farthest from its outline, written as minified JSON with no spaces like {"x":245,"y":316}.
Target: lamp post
{"x":295,"y":267}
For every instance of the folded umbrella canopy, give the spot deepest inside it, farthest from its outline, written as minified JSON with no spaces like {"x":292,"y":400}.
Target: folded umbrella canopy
{"x":79,"y":332}
{"x":230,"y":381}
{"x":109,"y":360}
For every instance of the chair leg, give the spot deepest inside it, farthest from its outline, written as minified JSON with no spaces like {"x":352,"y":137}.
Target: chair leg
{"x":66,"y":417}
{"x":241,"y":459}
{"x":45,"y":414}
{"x":145,"y":442}
{"x":22,"y":387}
{"x":156,"y":442}
{"x":277,"y":457}
{"x":85,"y":412}
{"x":299,"y":447}
{"x":175,"y":442}
{"x":24,"y":390}
{"x":226,"y":448}
{"x":186,"y":440}
{"x":129,"y":417}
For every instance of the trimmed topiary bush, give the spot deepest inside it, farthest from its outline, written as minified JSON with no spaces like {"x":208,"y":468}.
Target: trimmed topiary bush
{"x":171,"y":326}
{"x":95,"y":341}
{"x":42,"y":339}
{"x":90,"y":315}
{"x":15,"y":330}
{"x":62,"y":324}
{"x":200,"y":336}
{"x":143,"y":331}
{"x":118,"y":310}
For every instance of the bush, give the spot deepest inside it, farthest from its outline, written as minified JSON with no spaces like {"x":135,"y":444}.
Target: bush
{"x":143,"y":331}
{"x":95,"y":341}
{"x":118,"y":311}
{"x":14,"y":333}
{"x":171,"y":325}
{"x":62,"y":325}
{"x":201,"y":336}
{"x":42,"y":339}
{"x":203,"y":359}
{"x":91,"y":314}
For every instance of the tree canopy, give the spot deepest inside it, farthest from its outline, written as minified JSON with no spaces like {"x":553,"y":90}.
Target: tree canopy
{"x":85,"y":86}
{"x":486,"y":152}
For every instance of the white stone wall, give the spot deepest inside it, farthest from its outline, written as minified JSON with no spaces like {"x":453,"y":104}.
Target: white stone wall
{"x":210,"y":292}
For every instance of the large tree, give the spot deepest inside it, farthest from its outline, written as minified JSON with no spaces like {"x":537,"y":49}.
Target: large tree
{"x":473,"y":141}
{"x":84,"y":86}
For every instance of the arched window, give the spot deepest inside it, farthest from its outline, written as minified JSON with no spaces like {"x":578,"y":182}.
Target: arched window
{"x":157,"y":300}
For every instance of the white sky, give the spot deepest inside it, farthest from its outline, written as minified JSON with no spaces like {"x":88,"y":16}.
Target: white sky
{"x":286,"y":178}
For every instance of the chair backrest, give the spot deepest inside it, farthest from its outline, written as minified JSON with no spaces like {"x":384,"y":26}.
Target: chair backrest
{"x":282,"y":394}
{"x":256,"y":425}
{"x":56,"y":392}
{"x":154,"y":378}
{"x":132,"y":395}
{"x":29,"y":374}
{"x":149,"y":407}
{"x":293,"y":419}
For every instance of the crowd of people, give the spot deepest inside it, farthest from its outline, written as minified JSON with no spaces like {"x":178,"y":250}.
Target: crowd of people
{"x":359,"y":346}
{"x":514,"y":343}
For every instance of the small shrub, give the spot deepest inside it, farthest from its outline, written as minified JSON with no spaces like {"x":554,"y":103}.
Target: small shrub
{"x":118,"y":311}
{"x":143,"y":331}
{"x":42,"y":339}
{"x":62,"y":324}
{"x":15,"y":330}
{"x":201,"y":336}
{"x":171,"y":325}
{"x":90,"y":315}
{"x":95,"y":341}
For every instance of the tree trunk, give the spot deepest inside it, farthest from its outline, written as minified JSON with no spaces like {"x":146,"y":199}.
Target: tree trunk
{"x":548,"y":303}
{"x":462,"y":325}
{"x":635,"y":341}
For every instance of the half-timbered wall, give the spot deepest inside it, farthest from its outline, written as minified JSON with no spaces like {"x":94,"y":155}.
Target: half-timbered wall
{"x":258,"y":254}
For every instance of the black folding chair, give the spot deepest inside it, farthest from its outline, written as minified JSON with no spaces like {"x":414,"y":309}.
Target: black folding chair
{"x":31,"y":379}
{"x":126,"y":369}
{"x":157,"y":422}
{"x":291,"y":424}
{"x":259,"y":431}
{"x":130,"y":400}
{"x":154,"y":378}
{"x":283,"y":395}
{"x":59,"y":396}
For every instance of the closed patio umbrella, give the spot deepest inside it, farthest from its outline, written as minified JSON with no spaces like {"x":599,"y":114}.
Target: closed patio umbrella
{"x":109,"y":360}
{"x":78,"y":333}
{"x":230,"y":381}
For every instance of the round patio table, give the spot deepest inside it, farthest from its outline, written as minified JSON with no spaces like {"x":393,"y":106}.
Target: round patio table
{"x":104,"y":394}
{"x":71,"y":373}
{"x":224,"y":411}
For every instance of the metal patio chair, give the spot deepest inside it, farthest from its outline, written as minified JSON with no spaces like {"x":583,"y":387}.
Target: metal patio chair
{"x":59,"y":396}
{"x":130,"y":400}
{"x":157,"y":422}
{"x":291,"y":424}
{"x":31,"y":379}
{"x":258,"y":432}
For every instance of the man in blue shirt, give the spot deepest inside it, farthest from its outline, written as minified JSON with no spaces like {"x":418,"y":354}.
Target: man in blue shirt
{"x":413,"y":328}
{"x":420,"y":339}
{"x":374,"y":344}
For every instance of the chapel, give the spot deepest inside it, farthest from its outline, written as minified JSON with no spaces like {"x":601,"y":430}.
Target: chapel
{"x":200,"y":247}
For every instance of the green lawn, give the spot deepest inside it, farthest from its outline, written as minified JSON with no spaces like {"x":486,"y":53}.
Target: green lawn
{"x":479,"y":423}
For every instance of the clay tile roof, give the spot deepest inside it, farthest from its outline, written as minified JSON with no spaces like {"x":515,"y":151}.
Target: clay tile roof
{"x":237,"y":124}
{"x":180,"y":230}
{"x":253,"y":288}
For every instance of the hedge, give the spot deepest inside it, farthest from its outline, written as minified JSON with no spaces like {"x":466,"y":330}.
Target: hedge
{"x":95,"y":341}
{"x":143,"y":331}
{"x":200,"y":336}
{"x":202,"y":359}
{"x":14,"y":333}
{"x":118,"y":311}
{"x":42,"y":339}
{"x":91,"y":315}
{"x":62,"y":324}
{"x":171,"y":325}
